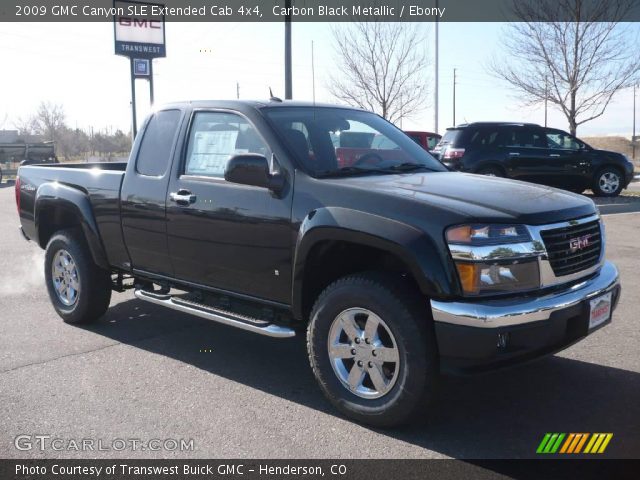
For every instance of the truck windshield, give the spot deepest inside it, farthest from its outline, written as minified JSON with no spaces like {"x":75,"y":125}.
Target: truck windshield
{"x":340,"y":141}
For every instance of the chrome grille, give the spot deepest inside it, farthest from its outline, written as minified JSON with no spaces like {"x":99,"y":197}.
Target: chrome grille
{"x":574,"y":248}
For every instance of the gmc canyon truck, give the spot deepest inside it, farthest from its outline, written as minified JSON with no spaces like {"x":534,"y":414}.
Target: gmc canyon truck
{"x":398,"y":270}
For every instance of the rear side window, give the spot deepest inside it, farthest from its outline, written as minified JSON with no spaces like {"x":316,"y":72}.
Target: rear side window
{"x":450,"y":137}
{"x":155,"y":150}
{"x":525,"y":137}
{"x":483,"y":138}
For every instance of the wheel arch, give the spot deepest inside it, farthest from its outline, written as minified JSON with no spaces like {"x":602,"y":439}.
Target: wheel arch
{"x":59,"y":207}
{"x":334,"y":242}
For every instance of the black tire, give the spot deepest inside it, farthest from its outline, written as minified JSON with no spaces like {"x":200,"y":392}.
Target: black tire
{"x":400,"y":308}
{"x":602,"y":190}
{"x":491,"y":172}
{"x":94,"y":291}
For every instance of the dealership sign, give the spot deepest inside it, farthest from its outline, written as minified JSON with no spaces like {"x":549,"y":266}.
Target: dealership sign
{"x":138,"y":30}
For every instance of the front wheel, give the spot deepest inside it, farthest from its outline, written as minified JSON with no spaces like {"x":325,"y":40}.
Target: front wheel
{"x":607,"y":183}
{"x":79,"y":290}
{"x":372,"y":350}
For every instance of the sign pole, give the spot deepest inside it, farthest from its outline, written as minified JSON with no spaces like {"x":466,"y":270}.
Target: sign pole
{"x":134,"y":123}
{"x":151,"y":81}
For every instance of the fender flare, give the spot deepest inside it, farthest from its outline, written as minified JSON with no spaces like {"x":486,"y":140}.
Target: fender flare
{"x":414,"y":247}
{"x":59,"y":196}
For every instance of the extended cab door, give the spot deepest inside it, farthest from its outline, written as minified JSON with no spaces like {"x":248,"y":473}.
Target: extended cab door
{"x":570,"y":158}
{"x":527,"y":155}
{"x":224,"y":235}
{"x":143,"y":194}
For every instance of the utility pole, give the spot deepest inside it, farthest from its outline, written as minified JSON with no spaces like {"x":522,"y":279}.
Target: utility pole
{"x":435,"y":102}
{"x":238,"y":90}
{"x":313,"y":74}
{"x":633,"y":138}
{"x":288,"y":93}
{"x":454,"y":96}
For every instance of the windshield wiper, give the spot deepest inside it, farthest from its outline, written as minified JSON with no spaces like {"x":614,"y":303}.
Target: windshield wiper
{"x":355,"y":170}
{"x":408,"y":166}
{"x":350,"y":170}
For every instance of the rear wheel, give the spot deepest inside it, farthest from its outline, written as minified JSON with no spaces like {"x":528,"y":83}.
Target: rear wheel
{"x":372,"y":350}
{"x":607,"y":182}
{"x":491,"y":172}
{"x":79,"y":290}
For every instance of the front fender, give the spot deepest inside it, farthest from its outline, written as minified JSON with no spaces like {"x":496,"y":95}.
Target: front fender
{"x":53,"y":196}
{"x":414,"y":247}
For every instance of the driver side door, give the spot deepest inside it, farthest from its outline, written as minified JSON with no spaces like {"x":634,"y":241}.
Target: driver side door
{"x":223,"y":235}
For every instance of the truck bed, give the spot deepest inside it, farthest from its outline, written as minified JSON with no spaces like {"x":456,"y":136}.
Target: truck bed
{"x":100,"y":182}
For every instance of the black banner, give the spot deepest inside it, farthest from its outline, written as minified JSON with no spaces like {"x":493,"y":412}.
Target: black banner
{"x":325,"y":10}
{"x":119,"y":469}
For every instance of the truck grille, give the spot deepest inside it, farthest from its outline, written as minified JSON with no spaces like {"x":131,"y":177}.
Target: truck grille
{"x":573,"y":249}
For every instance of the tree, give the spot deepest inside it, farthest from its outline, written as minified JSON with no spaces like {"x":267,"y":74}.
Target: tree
{"x":381,"y":67}
{"x":49,"y":120}
{"x":26,"y":126}
{"x":577,"y":64}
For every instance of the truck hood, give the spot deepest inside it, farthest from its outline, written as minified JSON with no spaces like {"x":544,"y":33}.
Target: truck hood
{"x":481,"y":197}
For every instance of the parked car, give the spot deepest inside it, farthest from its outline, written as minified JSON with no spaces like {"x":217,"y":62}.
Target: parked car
{"x":525,"y":151}
{"x":397,"y":269}
{"x":427,"y":140}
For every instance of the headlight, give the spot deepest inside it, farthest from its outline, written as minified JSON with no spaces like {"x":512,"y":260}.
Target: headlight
{"x":493,"y":259}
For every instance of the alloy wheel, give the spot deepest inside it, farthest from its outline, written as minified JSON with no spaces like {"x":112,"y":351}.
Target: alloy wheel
{"x":363,"y":353}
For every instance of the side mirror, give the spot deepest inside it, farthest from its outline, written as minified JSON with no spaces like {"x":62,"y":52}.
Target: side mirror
{"x":252,"y":169}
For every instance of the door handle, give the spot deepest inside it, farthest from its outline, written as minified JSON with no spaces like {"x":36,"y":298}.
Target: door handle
{"x":554,"y":155}
{"x":182,"y":197}
{"x":514,"y":154}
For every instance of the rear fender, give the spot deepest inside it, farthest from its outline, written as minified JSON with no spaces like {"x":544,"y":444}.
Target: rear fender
{"x":52,"y":197}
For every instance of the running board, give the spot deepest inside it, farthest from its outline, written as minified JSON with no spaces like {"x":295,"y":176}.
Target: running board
{"x":221,"y":316}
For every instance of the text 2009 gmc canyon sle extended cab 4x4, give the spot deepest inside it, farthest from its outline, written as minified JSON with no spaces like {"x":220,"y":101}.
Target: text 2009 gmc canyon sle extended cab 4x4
{"x":249,"y":214}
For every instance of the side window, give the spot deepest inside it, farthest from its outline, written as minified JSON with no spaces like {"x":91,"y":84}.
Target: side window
{"x":524,"y":137}
{"x":560,"y":139}
{"x":432,"y":142}
{"x":155,"y":149}
{"x":215,"y":137}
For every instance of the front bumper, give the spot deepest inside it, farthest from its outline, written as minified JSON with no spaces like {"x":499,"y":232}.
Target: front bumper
{"x":474,"y":336}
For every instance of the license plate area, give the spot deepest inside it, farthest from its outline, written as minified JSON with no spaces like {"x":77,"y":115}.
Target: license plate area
{"x":600,"y":310}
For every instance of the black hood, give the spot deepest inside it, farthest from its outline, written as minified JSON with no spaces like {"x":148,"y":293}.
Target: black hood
{"x":480,"y":197}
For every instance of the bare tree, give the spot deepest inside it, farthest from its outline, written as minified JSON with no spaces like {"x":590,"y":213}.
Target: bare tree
{"x":50,"y":120}
{"x":575,"y":53}
{"x":381,"y":67}
{"x":26,"y":126}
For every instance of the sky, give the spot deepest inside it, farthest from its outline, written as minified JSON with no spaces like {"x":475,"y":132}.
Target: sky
{"x":74,"y":64}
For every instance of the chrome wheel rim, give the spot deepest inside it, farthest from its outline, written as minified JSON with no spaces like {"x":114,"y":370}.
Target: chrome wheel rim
{"x":363,"y":353}
{"x":609,"y":182}
{"x":65,"y":278}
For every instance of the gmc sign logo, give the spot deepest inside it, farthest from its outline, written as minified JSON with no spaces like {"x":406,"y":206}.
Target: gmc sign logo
{"x":135,"y":22}
{"x":579,"y":243}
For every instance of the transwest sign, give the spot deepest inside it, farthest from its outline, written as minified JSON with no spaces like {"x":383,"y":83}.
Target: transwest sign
{"x":137,"y":31}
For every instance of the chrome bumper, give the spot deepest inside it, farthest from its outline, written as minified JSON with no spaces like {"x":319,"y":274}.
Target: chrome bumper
{"x":517,"y":311}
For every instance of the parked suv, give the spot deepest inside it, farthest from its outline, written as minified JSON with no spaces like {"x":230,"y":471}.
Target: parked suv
{"x":525,"y":151}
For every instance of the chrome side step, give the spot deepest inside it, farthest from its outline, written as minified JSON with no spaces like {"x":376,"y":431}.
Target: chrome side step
{"x":221,"y":316}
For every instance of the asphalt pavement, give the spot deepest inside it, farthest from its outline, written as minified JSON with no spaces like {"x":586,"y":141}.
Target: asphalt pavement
{"x":144,"y":373}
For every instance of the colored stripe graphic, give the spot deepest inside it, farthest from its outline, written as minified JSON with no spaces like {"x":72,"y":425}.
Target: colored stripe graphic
{"x":556,"y":443}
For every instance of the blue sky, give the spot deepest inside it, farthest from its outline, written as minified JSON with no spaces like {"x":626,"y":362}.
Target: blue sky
{"x":74,"y":64}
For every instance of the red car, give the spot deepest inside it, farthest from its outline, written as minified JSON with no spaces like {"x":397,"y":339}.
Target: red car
{"x":427,"y":140}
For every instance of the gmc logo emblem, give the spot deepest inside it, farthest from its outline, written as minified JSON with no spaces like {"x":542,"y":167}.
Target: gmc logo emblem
{"x":134,"y":22}
{"x":579,"y":243}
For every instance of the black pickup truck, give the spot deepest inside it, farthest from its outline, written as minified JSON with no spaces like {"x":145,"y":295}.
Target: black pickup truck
{"x":258,"y":215}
